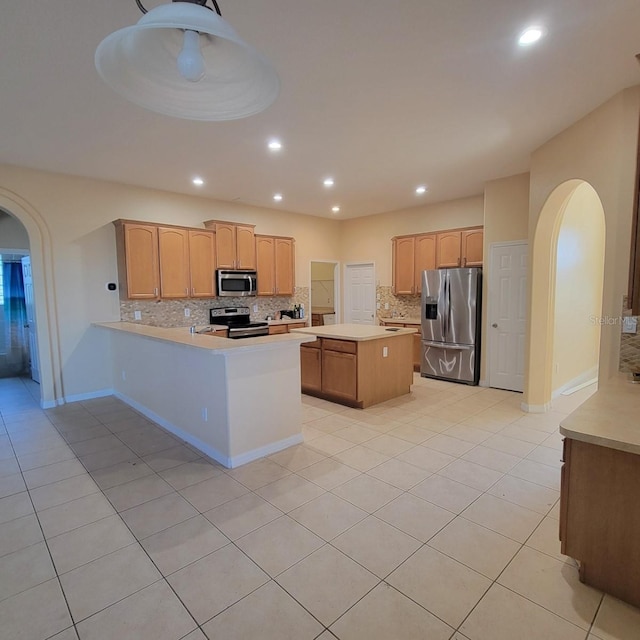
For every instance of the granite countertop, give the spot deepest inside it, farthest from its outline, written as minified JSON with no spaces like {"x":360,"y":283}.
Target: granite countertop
{"x":609,"y":418}
{"x":356,"y":332}
{"x":183,"y":336}
{"x":399,"y":320}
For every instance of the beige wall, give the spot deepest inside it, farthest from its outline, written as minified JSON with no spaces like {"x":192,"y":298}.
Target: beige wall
{"x":578,"y":291}
{"x":74,"y":256}
{"x":368,"y":239}
{"x":506,"y":218}
{"x":601,"y":150}
{"x":13,"y":235}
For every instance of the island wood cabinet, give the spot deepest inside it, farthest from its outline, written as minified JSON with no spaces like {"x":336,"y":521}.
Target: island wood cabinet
{"x":411,"y":255}
{"x":357,"y":373}
{"x":461,"y":248}
{"x":600,"y":516}
{"x":417,"y":340}
{"x":157,"y":261}
{"x":235,"y":244}
{"x":275,"y":259}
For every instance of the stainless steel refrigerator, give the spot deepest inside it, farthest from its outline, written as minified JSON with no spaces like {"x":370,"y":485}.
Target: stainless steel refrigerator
{"x":451,"y":324}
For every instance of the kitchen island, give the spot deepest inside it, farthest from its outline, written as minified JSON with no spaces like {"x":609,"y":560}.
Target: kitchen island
{"x":234,"y":400}
{"x":356,"y":365}
{"x":600,"y":489}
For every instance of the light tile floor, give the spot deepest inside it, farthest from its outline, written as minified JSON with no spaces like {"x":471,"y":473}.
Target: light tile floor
{"x":431,"y":516}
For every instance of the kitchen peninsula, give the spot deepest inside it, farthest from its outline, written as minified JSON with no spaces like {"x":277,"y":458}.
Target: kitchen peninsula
{"x":235,"y":400}
{"x":600,"y":489}
{"x":357,"y":365}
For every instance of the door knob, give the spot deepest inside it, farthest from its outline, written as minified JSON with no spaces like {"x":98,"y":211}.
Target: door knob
{"x":495,"y":325}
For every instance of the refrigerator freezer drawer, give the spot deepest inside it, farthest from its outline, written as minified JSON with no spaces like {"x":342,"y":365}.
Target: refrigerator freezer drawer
{"x":456,"y":362}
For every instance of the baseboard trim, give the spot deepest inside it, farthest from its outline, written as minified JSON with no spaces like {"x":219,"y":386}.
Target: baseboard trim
{"x":92,"y":395}
{"x":208,"y":450}
{"x":535,"y":408}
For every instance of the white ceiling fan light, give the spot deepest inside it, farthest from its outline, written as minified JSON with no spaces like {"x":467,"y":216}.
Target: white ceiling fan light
{"x":184,"y":60}
{"x":530,"y":36}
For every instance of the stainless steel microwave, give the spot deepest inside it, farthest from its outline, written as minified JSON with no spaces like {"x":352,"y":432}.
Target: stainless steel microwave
{"x":236,"y":283}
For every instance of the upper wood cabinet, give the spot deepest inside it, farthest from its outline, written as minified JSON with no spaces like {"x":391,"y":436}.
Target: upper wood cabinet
{"x":156,"y":261}
{"x":202,"y":263}
{"x":472,"y":246}
{"x":173,"y":245}
{"x":138,"y":269}
{"x":459,"y":248}
{"x":404,"y":250}
{"x":425,"y":257}
{"x":235,"y":244}
{"x":275,"y":258}
{"x":411,"y":256}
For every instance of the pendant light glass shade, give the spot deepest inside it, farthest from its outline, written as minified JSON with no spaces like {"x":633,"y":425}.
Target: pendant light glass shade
{"x":141,"y":63}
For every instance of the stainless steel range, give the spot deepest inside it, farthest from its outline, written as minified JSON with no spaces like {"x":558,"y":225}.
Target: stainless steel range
{"x":239,"y":322}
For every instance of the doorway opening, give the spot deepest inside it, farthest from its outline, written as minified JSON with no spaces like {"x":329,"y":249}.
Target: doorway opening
{"x":566,"y":294}
{"x":324,"y":292}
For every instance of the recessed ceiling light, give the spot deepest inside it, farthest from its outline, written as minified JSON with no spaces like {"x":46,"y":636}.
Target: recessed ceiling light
{"x":328,"y":182}
{"x":198,"y":181}
{"x":335,"y":209}
{"x":275,"y":145}
{"x":421,"y":189}
{"x":277,"y":197}
{"x":530,"y":35}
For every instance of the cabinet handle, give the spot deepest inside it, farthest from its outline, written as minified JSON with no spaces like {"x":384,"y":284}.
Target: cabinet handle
{"x":155,"y":291}
{"x":193,"y":291}
{"x":464,"y":262}
{"x":458,"y":261}
{"x":239,"y":263}
{"x":186,"y":290}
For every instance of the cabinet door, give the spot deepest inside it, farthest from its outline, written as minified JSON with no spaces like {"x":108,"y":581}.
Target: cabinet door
{"x":141,"y":261}
{"x":425,"y":257}
{"x":310,"y":368}
{"x":472,"y":248}
{"x":448,"y":249}
{"x":245,"y":247}
{"x":340,"y":374}
{"x":284,"y":263}
{"x":225,"y":246}
{"x":202,"y":263}
{"x":266,"y":266}
{"x":403,"y":266}
{"x":173,"y":247}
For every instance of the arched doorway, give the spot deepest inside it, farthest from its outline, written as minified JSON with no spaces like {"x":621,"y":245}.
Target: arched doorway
{"x":565,"y":301}
{"x":44,"y":295}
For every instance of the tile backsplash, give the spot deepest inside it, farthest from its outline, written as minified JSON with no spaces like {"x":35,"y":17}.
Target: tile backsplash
{"x":405,"y":306}
{"x":171,"y":313}
{"x":629,"y":346}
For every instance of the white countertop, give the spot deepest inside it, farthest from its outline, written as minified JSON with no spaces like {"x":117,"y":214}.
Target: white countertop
{"x":183,"y":336}
{"x":609,"y":418}
{"x":356,"y":332}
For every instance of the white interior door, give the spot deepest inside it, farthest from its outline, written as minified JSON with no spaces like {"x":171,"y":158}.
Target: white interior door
{"x":31,"y":318}
{"x":507,"y":314}
{"x":360,"y":294}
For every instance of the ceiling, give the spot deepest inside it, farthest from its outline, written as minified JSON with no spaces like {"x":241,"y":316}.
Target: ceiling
{"x":382,"y":96}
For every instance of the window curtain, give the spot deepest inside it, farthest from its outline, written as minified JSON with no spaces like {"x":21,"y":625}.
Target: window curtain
{"x":14,"y":349}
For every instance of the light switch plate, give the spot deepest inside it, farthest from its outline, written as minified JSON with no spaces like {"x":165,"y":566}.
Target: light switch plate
{"x":137,"y":315}
{"x":630,"y":324}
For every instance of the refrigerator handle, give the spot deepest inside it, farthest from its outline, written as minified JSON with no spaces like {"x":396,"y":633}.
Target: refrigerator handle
{"x":447,"y":336}
{"x":445,"y":314}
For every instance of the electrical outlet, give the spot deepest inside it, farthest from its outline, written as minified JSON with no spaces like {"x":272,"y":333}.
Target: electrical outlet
{"x":205,"y":414}
{"x":187,"y":313}
{"x":377,"y":296}
{"x":124,"y":374}
{"x":386,"y":306}
{"x":377,"y":305}
{"x":385,"y":352}
{"x":255,"y":308}
{"x":137,"y":315}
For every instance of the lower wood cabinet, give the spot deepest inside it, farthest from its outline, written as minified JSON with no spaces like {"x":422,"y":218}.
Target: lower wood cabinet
{"x":600,"y":516}
{"x":340,"y":369}
{"x":311,"y":367}
{"x":275,"y":329}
